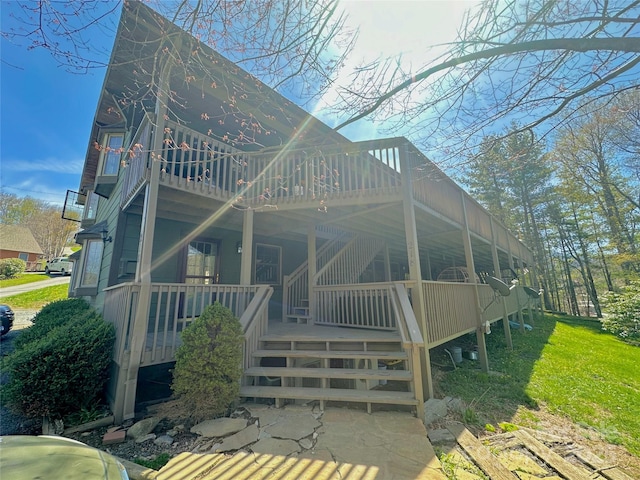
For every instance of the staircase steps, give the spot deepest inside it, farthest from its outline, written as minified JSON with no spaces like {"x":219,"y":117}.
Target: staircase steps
{"x":343,"y":373}
{"x":335,"y":394}
{"x":319,"y":354}
{"x":309,"y":362}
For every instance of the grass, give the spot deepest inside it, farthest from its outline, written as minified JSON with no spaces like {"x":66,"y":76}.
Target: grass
{"x":36,"y":299}
{"x":23,"y":280}
{"x":567,"y":364}
{"x":156,"y":463}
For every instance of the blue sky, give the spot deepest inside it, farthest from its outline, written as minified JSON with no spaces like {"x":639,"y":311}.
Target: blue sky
{"x":46,"y":112}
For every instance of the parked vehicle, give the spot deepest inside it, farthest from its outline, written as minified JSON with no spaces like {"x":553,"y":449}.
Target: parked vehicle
{"x":6,"y":319}
{"x":54,"y":458}
{"x":60,"y":265}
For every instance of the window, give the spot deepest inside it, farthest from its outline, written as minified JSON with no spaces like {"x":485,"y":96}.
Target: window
{"x":91,"y":206}
{"x":92,"y":263}
{"x":112,"y":153}
{"x":23,"y":256}
{"x":268,"y":266}
{"x":202,"y":262}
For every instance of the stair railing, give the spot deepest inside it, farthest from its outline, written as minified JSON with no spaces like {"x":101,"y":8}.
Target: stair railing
{"x":296,"y":285}
{"x":254,"y":322}
{"x":412,"y":340}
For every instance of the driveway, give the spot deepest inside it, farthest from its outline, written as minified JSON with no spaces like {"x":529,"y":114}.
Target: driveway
{"x":54,"y":280}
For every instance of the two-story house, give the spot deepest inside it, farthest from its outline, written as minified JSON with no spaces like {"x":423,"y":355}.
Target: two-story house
{"x":340,"y":258}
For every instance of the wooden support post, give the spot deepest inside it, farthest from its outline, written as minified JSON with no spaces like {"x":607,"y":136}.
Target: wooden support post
{"x":471,"y":269}
{"x":311,"y":271}
{"x":127,"y":385}
{"x":247,"y":247}
{"x":415,"y":274}
{"x":496,"y":273}
{"x":387,"y":264}
{"x":515,"y":292}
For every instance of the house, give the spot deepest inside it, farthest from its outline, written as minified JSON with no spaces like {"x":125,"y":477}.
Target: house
{"x":202,"y":184}
{"x":19,"y":242}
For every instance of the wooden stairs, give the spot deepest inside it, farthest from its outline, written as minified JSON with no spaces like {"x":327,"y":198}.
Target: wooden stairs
{"x":330,"y":364}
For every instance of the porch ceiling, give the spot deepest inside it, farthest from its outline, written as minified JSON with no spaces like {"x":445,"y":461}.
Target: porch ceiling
{"x":439,"y":239}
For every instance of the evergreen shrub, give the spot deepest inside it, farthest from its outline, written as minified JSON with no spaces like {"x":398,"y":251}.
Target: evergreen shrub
{"x":12,"y":267}
{"x":208,"y":363}
{"x":64,"y":370}
{"x":53,"y":315}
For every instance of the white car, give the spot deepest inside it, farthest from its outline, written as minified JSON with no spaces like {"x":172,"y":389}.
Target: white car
{"x":60,"y":265}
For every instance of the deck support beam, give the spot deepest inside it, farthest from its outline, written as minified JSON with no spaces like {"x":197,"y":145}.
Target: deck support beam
{"x":415,"y":273}
{"x":496,"y":273}
{"x":471,"y":269}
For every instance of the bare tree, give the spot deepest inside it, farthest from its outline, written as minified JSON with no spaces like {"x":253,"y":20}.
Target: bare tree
{"x":523,"y":61}
{"x":295,"y":46}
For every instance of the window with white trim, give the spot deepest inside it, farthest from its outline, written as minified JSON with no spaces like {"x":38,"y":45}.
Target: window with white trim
{"x":92,"y":263}
{"x":112,"y":153}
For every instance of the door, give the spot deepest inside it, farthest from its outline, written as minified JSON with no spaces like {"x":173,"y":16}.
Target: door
{"x":202,"y":262}
{"x":201,"y":267}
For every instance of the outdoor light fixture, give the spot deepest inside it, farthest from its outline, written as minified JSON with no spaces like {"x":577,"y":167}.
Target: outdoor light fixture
{"x":239,"y":247}
{"x":106,"y":238}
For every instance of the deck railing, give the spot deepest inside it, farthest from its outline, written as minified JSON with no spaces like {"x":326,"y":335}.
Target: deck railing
{"x":172,"y":307}
{"x":450,"y":309}
{"x":365,"y":305}
{"x":193,"y":161}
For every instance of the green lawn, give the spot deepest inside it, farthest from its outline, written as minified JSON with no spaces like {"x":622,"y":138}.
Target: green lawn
{"x":23,"y":279}
{"x":566,"y":364}
{"x":36,"y":299}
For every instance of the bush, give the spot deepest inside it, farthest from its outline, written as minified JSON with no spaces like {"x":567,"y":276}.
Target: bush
{"x":623,"y":313}
{"x":208,"y":363}
{"x":11,"y":267}
{"x":54,"y":315}
{"x":64,"y":368}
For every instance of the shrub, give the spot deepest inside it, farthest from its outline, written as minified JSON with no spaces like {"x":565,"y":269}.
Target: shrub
{"x":623,"y":310}
{"x":12,"y":267}
{"x":208,"y":363}
{"x":63,"y":371}
{"x":54,"y":315}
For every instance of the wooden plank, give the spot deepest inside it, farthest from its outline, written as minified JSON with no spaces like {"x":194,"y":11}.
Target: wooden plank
{"x":485,"y":460}
{"x":555,"y":461}
{"x":335,"y":394}
{"x":330,"y":354}
{"x":608,"y":471}
{"x":348,"y":373}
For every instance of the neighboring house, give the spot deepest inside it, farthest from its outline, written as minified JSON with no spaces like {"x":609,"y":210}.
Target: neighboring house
{"x":19,"y":242}
{"x":328,"y":251}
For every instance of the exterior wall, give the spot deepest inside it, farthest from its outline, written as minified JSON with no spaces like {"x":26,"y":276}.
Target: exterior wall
{"x":32,"y":258}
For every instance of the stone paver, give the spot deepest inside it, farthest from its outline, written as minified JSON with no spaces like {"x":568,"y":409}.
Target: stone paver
{"x":238,"y":440}
{"x":219,"y":427}
{"x":275,"y":446}
{"x":293,"y":427}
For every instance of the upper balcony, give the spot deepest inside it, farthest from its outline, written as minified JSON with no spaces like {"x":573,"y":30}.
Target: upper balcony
{"x":352,"y":174}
